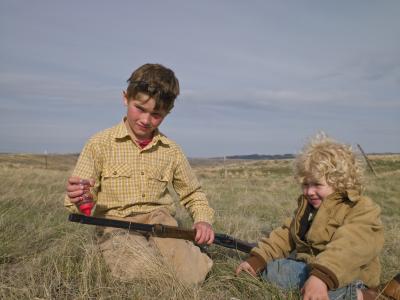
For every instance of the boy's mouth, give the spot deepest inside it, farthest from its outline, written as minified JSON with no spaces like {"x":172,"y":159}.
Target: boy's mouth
{"x":144,"y":127}
{"x":314,"y":201}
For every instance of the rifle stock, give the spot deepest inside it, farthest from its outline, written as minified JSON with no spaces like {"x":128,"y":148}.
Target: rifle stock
{"x":163,"y":231}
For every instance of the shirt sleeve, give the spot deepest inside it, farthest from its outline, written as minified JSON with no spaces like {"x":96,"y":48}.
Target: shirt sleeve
{"x":88,"y":166}
{"x":191,"y":195}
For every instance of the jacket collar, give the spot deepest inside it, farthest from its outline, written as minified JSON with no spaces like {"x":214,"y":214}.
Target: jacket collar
{"x":351,"y":195}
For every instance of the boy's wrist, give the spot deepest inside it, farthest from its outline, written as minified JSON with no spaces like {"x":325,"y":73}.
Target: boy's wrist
{"x":256,"y":262}
{"x":203,"y":217}
{"x":326,"y":275}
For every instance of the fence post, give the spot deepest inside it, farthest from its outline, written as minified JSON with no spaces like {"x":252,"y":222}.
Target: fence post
{"x":45,"y":158}
{"x":225,"y":171}
{"x":367,"y":160}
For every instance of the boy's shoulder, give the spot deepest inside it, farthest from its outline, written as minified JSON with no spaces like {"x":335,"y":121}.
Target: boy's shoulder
{"x":118,"y":130}
{"x":364,"y":205}
{"x":166,"y":140}
{"x":358,"y":198}
{"x":170,"y":145}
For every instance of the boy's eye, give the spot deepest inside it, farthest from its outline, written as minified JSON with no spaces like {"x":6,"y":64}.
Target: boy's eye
{"x":158,"y":114}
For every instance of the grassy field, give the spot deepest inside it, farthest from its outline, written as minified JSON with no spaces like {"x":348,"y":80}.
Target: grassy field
{"x":43,"y":256}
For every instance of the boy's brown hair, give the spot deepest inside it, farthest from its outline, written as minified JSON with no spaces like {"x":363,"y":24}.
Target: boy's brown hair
{"x":326,"y":158}
{"x":156,"y":81}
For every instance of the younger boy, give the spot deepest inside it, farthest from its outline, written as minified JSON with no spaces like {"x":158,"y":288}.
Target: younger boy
{"x":330,"y":248}
{"x":125,"y":170}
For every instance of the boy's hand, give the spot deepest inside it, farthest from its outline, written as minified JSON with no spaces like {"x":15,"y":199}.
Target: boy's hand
{"x":78,"y":189}
{"x":245,"y":266}
{"x":315,"y":288}
{"x":204,"y":233}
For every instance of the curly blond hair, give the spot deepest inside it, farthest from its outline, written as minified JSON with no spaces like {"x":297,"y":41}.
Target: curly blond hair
{"x":337,"y":163}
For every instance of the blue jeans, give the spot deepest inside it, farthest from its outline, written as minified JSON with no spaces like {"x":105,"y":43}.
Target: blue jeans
{"x":292,"y":274}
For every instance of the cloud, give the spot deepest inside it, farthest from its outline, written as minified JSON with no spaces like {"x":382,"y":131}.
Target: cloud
{"x":265,"y":98}
{"x":54,"y":90}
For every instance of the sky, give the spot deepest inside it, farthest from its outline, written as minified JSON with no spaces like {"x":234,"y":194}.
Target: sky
{"x":255,"y":76}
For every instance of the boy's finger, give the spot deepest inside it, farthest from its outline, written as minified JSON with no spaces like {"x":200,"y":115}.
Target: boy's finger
{"x":238,"y":270}
{"x":74,"y":180}
{"x":211,"y":239}
{"x":76,"y":193}
{"x":200,"y":236}
{"x":250,"y":271}
{"x":75,"y":200}
{"x":74,"y":187}
{"x":87,"y":182}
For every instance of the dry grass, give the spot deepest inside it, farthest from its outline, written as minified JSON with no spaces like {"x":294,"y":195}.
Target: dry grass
{"x":42,"y":256}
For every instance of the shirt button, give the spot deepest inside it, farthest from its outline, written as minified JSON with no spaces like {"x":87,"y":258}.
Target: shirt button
{"x":115,"y":173}
{"x":143,"y":195}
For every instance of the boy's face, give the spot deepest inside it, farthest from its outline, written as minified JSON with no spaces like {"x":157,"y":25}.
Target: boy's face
{"x":316,"y":191}
{"x":142,"y":117}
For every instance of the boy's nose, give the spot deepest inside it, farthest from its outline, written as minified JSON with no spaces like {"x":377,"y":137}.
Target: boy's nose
{"x":146,"y":118}
{"x":309,"y":191}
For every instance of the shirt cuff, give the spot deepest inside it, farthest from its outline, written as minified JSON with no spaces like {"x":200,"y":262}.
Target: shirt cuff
{"x":73,"y":209}
{"x":325,"y":275}
{"x":204,"y":216}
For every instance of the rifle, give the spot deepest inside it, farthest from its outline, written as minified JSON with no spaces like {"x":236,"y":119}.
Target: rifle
{"x":163,"y":231}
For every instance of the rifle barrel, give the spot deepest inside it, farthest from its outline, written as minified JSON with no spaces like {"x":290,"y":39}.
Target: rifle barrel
{"x":227,"y":241}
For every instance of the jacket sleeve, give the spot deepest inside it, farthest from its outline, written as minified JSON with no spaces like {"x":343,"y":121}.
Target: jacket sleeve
{"x":191,"y":195}
{"x":278,"y":244}
{"x":354,"y":244}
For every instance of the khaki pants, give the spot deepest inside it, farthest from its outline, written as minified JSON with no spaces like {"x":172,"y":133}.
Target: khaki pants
{"x":130,"y":255}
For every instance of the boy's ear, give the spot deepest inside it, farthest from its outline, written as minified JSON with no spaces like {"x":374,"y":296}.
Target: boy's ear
{"x":125,"y":98}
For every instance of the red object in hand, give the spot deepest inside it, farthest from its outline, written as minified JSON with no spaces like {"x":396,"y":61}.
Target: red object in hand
{"x":86,"y":208}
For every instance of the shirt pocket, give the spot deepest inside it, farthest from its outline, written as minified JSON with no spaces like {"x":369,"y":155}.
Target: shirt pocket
{"x":158,"y":180}
{"x":331,"y":227}
{"x":335,"y":221}
{"x":117,"y":170}
{"x":324,"y":231}
{"x":117,"y":182}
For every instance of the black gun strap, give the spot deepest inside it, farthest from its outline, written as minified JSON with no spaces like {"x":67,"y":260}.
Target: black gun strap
{"x":110,"y":223}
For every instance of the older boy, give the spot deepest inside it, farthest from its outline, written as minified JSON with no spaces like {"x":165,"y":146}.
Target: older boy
{"x":126,"y":170}
{"x":330,"y":248}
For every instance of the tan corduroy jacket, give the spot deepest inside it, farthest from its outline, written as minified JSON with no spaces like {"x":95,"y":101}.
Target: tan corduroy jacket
{"x":342,"y":244}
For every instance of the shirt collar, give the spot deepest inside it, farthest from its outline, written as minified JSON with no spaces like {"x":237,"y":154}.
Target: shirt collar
{"x":121,"y":131}
{"x":124,"y":131}
{"x":160,"y":137}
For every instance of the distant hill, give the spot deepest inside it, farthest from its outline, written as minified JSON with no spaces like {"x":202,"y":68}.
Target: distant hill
{"x":284,"y":156}
{"x":262,"y":156}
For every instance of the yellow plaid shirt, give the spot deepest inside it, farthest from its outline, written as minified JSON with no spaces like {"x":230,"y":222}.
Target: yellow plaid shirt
{"x":131,"y":180}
